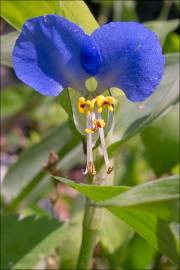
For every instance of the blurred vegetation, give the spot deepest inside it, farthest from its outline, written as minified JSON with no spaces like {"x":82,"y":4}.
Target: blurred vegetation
{"x":37,"y":140}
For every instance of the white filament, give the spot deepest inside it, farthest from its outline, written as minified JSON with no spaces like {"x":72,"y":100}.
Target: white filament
{"x":89,"y":142}
{"x":103,"y":144}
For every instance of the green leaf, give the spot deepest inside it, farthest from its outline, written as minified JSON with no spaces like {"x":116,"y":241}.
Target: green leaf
{"x":162,"y":28}
{"x":172,"y":43}
{"x":161,"y":141}
{"x":158,"y":197}
{"x":7,"y":42}
{"x":73,"y":11}
{"x":24,"y":241}
{"x":154,"y":230}
{"x":138,"y":246}
{"x":31,"y":162}
{"x":131,"y":118}
{"x":14,"y":100}
{"x":17,"y":100}
{"x":94,"y":192}
{"x":17,"y":12}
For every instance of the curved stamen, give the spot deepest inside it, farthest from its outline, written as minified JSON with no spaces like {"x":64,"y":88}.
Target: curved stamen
{"x":109,"y":168}
{"x":93,"y":109}
{"x":90,"y":168}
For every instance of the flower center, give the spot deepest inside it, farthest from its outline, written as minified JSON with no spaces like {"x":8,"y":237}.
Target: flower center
{"x":93,"y":110}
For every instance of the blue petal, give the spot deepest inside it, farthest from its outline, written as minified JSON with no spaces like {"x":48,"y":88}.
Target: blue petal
{"x":90,"y":57}
{"x":47,"y":55}
{"x":131,"y":58}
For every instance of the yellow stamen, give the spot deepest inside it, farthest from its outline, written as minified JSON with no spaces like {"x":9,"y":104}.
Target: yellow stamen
{"x":81,"y":105}
{"x":100,"y":110}
{"x":88,"y":102}
{"x":87,"y":130}
{"x":110,"y":108}
{"x":96,"y":104}
{"x":99,"y":100}
{"x":110,"y":100}
{"x":96,"y":124}
{"x":99,"y":123}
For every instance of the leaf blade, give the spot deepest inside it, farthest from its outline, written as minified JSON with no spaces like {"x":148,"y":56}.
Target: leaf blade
{"x":16,"y":12}
{"x":159,"y":197}
{"x":154,"y":230}
{"x":94,"y":192}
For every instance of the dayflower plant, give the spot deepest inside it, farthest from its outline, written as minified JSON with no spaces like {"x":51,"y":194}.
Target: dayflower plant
{"x":53,"y":53}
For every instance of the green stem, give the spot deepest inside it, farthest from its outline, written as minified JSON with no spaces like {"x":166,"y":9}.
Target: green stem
{"x":165,"y":10}
{"x":92,"y":223}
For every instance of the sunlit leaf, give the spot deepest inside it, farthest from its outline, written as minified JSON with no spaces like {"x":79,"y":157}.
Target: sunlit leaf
{"x":73,"y":11}
{"x":17,"y":12}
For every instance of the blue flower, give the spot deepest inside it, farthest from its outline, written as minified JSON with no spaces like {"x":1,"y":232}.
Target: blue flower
{"x":53,"y":53}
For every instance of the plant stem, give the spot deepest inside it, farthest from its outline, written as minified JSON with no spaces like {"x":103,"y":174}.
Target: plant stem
{"x":92,"y":223}
{"x":165,"y":10}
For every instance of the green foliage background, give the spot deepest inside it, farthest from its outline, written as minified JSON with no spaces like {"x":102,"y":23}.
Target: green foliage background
{"x":140,"y":228}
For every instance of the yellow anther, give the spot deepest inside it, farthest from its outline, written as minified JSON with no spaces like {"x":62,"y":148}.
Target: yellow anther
{"x":81,"y":105}
{"x":87,"y":130}
{"x":88,"y":106}
{"x":91,"y":168}
{"x":82,"y":100}
{"x":100,"y":110}
{"x":100,"y":100}
{"x":110,"y":100}
{"x":88,"y":102}
{"x":96,"y":124}
{"x":81,"y":110}
{"x":110,"y":108}
{"x":109,"y":170}
{"x":100,"y":123}
{"x":85,"y":106}
{"x":93,"y":101}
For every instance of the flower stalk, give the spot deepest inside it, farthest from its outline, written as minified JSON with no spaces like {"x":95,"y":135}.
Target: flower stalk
{"x":92,"y":224}
{"x":93,"y":216}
